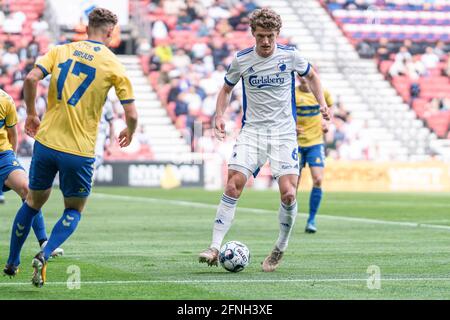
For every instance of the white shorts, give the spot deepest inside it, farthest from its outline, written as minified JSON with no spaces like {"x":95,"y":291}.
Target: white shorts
{"x":252,"y":150}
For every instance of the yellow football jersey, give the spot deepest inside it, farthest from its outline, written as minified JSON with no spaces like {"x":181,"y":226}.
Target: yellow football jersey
{"x":81,"y":75}
{"x":309,"y":117}
{"x":8,"y":119}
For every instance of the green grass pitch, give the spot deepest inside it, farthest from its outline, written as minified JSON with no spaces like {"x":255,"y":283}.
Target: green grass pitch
{"x":143,"y":244}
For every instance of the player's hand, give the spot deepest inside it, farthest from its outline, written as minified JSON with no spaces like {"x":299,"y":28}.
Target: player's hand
{"x":125,"y":138}
{"x":32,"y":124}
{"x":219,"y":129}
{"x":300,"y":131}
{"x":325,"y":125}
{"x":325,"y":113}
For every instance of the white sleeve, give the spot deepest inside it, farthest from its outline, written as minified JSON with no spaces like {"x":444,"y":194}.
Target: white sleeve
{"x":301,"y":65}
{"x":108,"y":111}
{"x":233,"y":73}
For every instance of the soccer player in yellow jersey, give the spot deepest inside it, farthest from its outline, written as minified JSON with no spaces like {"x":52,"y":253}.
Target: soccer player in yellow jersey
{"x":81,"y":75}
{"x":310,"y":129}
{"x":12,"y":174}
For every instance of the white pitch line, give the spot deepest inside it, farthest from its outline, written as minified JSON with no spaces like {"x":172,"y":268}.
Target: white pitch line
{"x":253,"y":210}
{"x":228,"y":281}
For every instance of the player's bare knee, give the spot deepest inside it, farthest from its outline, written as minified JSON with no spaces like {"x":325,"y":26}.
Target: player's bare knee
{"x":233,"y":189}
{"x":23,"y":190}
{"x":288,"y":197}
{"x":317,"y":181}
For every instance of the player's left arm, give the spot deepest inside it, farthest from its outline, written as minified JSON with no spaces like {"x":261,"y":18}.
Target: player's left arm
{"x":124,"y":92}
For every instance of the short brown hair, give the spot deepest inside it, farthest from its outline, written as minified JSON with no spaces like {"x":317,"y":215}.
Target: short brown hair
{"x":100,"y":17}
{"x":265,"y":18}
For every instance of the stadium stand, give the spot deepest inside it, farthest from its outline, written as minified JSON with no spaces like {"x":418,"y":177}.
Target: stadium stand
{"x":410,"y":42}
{"x":186,"y":66}
{"x":182,"y":60}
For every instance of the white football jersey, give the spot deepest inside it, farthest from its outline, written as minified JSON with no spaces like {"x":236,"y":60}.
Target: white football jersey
{"x":268,"y":87}
{"x":106,"y":118}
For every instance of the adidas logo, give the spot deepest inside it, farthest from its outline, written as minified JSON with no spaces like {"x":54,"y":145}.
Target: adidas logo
{"x":250,"y":70}
{"x":218,"y":221}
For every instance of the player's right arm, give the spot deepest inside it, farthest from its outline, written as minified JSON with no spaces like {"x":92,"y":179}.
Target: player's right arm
{"x":42,"y":68}
{"x":32,"y":121}
{"x":223,"y":99}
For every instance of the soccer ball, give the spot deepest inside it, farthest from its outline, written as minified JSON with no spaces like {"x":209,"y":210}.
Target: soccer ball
{"x":234,"y":256}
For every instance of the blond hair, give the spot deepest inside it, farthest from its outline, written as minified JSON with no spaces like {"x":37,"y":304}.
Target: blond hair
{"x":265,"y":18}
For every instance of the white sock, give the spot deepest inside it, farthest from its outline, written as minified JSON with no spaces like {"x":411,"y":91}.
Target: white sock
{"x":224,"y":218}
{"x":286,"y":216}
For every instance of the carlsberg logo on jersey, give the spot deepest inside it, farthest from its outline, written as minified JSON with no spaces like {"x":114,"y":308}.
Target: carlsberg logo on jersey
{"x":266,"y":81}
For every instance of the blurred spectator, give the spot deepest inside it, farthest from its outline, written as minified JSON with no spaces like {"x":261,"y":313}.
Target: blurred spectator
{"x":181,"y":60}
{"x":10,"y":59}
{"x":412,"y":47}
{"x":415,"y":68}
{"x":33,"y":48}
{"x":184,"y":20}
{"x":430,"y":59}
{"x":116,"y":38}
{"x":62,"y":39}
{"x":439,"y":50}
{"x":144,"y":47}
{"x":174,"y":90}
{"x":365,"y":50}
{"x":384,"y":49}
{"x":447,"y":68}
{"x":13,"y":22}
{"x":159,"y":31}
{"x":219,"y":51}
{"x":40,"y":26}
{"x":181,"y":106}
{"x":80,"y":31}
{"x":163,"y":51}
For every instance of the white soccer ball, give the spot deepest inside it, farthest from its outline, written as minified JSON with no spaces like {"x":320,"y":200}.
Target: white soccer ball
{"x":234,"y":256}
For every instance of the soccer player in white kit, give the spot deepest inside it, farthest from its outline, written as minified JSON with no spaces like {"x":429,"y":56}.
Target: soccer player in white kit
{"x":267,"y":71}
{"x":105,"y":130}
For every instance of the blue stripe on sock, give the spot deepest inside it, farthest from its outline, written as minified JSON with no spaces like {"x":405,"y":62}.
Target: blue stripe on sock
{"x":289,"y":207}
{"x":228,"y":199}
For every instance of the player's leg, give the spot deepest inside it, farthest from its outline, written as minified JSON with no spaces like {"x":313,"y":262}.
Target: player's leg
{"x":22,"y":224}
{"x":224,"y":214}
{"x":66,"y":225}
{"x":316,"y":162}
{"x":302,"y":164}
{"x":284,"y":164}
{"x":75,"y":175}
{"x":246,"y":158}
{"x":315,"y":198}
{"x":286,"y":218}
{"x":17,"y":180}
